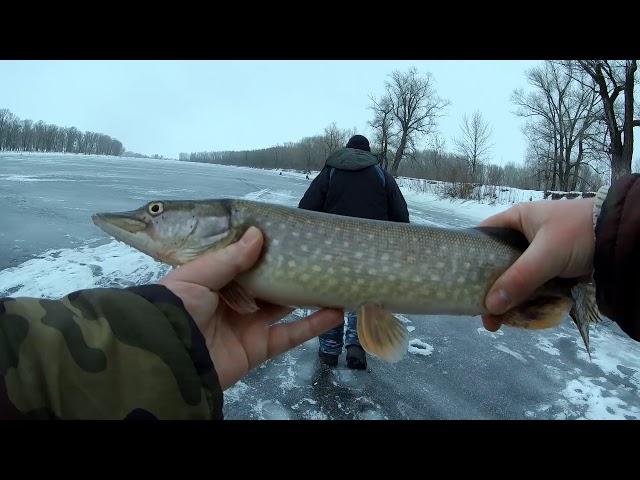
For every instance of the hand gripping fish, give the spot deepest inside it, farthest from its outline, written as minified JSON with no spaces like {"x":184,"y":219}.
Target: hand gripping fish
{"x":313,"y":259}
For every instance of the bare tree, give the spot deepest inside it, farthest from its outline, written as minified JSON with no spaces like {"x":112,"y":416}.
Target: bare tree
{"x":27,"y":135}
{"x":563,"y":117}
{"x":612,"y":78}
{"x":349,"y":132}
{"x":14,"y":135}
{"x":416,"y":108}
{"x":6,"y":119}
{"x":540,"y":159}
{"x":382,"y":125}
{"x":473,"y":143}
{"x":439,"y":155}
{"x":312,"y":152}
{"x":494,"y":175}
{"x":38,"y":136}
{"x":72,"y":140}
{"x":334,"y":138}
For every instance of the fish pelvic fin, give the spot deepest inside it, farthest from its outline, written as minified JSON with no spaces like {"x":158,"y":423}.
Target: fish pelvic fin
{"x":238,"y":298}
{"x":382,"y":334}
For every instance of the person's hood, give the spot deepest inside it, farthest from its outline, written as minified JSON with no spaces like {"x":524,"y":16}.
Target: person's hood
{"x":351,"y":159}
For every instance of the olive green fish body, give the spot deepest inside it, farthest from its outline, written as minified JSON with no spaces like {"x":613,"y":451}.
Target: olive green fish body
{"x":313,"y":259}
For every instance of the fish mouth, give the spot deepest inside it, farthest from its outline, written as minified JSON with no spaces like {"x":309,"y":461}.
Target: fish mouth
{"x":118,"y":222}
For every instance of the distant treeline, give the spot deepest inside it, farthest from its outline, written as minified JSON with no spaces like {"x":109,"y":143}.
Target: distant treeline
{"x":578,"y":122}
{"x":140,"y":155}
{"x":27,"y":136}
{"x":310,"y":154}
{"x":452,"y":167}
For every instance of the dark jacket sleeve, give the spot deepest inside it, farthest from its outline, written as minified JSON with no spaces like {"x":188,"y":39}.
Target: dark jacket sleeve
{"x":105,"y":353}
{"x":398,"y":211}
{"x":617,"y":255}
{"x":316,"y":194}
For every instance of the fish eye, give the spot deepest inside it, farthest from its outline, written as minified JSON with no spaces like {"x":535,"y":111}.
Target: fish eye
{"x":155,"y":208}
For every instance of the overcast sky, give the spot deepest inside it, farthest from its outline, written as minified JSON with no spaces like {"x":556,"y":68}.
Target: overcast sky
{"x":167,"y":107}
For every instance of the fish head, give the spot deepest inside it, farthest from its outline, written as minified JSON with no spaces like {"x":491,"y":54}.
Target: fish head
{"x":173,"y":232}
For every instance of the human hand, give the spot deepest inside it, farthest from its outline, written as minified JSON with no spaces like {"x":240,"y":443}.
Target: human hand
{"x":238,"y":343}
{"x":562,"y":244}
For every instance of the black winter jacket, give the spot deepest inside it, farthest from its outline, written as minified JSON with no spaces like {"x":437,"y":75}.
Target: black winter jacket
{"x":352,"y":184}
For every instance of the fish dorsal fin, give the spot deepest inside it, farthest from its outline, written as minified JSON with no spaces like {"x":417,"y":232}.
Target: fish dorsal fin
{"x":381,"y":333}
{"x":238,"y":298}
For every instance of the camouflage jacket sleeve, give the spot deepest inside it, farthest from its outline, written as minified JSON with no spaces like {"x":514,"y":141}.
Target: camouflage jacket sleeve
{"x":105,"y":354}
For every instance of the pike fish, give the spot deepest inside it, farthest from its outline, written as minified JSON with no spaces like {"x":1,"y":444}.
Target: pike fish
{"x":373,"y":267}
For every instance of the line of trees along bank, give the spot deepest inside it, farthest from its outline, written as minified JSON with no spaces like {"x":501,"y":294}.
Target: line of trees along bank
{"x":577,"y":116}
{"x":26,"y":136}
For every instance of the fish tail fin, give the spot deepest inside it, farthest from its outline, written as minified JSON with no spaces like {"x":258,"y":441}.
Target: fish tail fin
{"x":585,"y":310}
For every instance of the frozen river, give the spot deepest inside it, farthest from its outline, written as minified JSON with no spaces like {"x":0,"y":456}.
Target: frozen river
{"x":454,"y":368}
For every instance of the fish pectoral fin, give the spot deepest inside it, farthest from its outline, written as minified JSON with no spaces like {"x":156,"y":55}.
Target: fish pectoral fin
{"x":542,"y":312}
{"x":238,"y":298}
{"x":381,"y":333}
